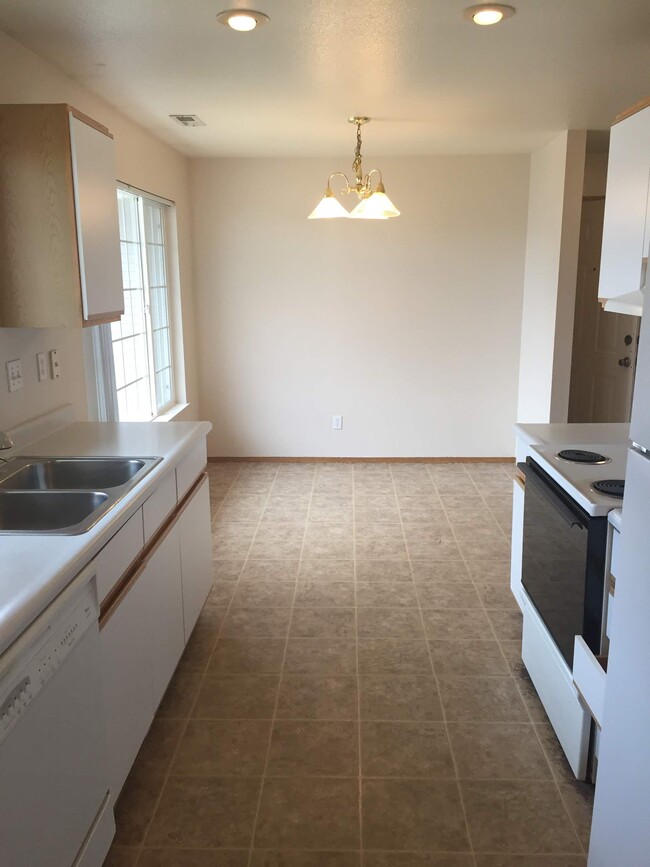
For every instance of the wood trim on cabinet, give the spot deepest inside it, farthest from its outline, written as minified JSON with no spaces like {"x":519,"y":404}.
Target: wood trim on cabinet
{"x":633,"y":109}
{"x":322,"y":460}
{"x":84,"y":118}
{"x":115,"y":597}
{"x":103,"y":319}
{"x":520,"y":478}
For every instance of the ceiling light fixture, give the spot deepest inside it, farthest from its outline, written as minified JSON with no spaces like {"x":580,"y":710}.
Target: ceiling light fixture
{"x":242,"y":20}
{"x":488,"y":13}
{"x":373,"y":204}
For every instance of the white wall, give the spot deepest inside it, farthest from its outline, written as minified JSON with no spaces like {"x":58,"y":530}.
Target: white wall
{"x":410,"y":328}
{"x":143,"y":161}
{"x":556,"y":184}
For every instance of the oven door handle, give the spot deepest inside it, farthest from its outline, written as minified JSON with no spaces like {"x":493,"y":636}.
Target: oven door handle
{"x":555,"y":495}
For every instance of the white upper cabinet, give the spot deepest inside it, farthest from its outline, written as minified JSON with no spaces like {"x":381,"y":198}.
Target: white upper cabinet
{"x":625,"y":231}
{"x":59,"y":234}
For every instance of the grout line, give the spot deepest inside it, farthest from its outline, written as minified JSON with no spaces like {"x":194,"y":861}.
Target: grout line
{"x":277,"y":695}
{"x":433,"y":670}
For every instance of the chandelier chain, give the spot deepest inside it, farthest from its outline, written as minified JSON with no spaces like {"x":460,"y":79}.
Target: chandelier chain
{"x":356,"y":165}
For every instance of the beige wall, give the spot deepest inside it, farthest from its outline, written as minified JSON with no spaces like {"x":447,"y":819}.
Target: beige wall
{"x":556,"y":184}
{"x":143,"y":161}
{"x":409,"y":328}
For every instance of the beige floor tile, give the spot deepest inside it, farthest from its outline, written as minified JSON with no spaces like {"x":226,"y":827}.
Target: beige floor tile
{"x":578,"y":799}
{"x":276,"y":549}
{"x":223,"y":748}
{"x":328,"y":549}
{"x":453,"y":594}
{"x":425,"y":571}
{"x":416,"y":859}
{"x":393,"y":656}
{"x":443,"y":548}
{"x":494,"y":595}
{"x":507,"y":624}
{"x":384,"y":594}
{"x":256,"y":623}
{"x":447,"y":623}
{"x":202,"y":641}
{"x":324,"y":594}
{"x":247,"y":656}
{"x":378,"y":531}
{"x":386,"y":571}
{"x":179,"y":697}
{"x":405,"y":749}
{"x":413,"y":815}
{"x":135,"y":807}
{"x":498,"y":751}
{"x":381,"y":549}
{"x":239,"y":696}
{"x":316,"y":813}
{"x":121,"y":856}
{"x":264,"y":594}
{"x":531,"y":861}
{"x":323,"y":623}
{"x":389,"y":623}
{"x":314,"y":748}
{"x":156,"y":753}
{"x":227,"y":570}
{"x":313,"y":697}
{"x":270,"y":570}
{"x":329,"y":532}
{"x":513,"y":816}
{"x":193,"y":858}
{"x":276,"y":858}
{"x":489,"y":571}
{"x":554,"y":753}
{"x":399,"y":697}
{"x":319,"y":656}
{"x":482,"y":699}
{"x":326,"y":570}
{"x":468,"y":658}
{"x":205,"y":812}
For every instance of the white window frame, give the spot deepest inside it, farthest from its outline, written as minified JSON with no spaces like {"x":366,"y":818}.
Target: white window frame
{"x":101,"y":385}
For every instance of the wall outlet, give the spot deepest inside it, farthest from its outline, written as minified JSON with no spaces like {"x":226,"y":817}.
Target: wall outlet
{"x":41,"y":364}
{"x":337,"y":422}
{"x":15,"y":375}
{"x":54,"y":364}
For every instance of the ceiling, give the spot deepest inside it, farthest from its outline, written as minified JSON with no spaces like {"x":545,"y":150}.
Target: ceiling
{"x":433,"y":82}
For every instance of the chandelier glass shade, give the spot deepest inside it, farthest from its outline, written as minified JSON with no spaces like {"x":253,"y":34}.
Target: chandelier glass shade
{"x":373,"y":204}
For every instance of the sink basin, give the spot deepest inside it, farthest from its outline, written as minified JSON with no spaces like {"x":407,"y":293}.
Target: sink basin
{"x":50,"y":511}
{"x":68,"y":474}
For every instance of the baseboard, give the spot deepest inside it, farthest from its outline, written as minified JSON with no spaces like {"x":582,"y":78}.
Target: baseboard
{"x":303,"y":460}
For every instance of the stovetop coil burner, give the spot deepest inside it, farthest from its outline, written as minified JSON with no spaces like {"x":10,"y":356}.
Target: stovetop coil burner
{"x":610,"y":487}
{"x":580,"y":456}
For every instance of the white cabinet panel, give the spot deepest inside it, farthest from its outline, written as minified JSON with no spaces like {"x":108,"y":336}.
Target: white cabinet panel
{"x":127,"y":682}
{"x":116,"y":557}
{"x":94,"y":178}
{"x":162,"y":577}
{"x":191,"y":467}
{"x":196,"y":555}
{"x":159,"y":505}
{"x":626,"y":202}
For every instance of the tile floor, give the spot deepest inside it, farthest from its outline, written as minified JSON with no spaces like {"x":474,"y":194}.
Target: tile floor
{"x":353,"y":692}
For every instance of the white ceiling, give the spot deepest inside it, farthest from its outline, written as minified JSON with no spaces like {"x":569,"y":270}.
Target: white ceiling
{"x":433,"y":82}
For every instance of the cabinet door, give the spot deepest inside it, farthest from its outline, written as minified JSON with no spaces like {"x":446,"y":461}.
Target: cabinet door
{"x":95,"y":189}
{"x":625,"y":206}
{"x":126,"y":681}
{"x":196,"y":555}
{"x":162,"y":578}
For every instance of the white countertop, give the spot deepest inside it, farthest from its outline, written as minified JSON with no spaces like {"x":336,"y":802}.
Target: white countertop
{"x":35,"y":569}
{"x":573,"y":434}
{"x":615,"y":518}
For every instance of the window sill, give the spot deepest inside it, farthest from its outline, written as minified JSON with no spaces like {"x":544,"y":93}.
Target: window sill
{"x":172,"y":412}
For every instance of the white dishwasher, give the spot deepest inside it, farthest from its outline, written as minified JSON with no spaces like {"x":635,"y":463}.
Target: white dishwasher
{"x":54,"y":808}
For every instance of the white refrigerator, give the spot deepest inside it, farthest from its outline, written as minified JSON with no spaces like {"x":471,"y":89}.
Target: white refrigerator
{"x":620,"y":835}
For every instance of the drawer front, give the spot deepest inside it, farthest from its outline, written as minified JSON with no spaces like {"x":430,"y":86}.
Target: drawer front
{"x":191,"y":467}
{"x":159,"y":505}
{"x":590,"y":678}
{"x":116,"y":557}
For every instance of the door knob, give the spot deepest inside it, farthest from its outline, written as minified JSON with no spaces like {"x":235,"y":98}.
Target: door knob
{"x":625,"y":362}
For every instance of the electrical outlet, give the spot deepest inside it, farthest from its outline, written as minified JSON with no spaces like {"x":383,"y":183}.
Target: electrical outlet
{"x":54,"y":364}
{"x":15,"y":374}
{"x":41,"y":363}
{"x":337,"y":422}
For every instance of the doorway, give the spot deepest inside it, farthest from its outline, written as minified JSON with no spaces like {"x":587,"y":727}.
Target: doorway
{"x":604,"y":344}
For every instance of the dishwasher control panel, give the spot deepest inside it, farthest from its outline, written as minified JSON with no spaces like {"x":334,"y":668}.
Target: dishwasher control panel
{"x":52,"y":649}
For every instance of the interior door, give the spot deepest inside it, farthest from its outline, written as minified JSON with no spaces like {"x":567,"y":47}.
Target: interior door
{"x":604,"y":344}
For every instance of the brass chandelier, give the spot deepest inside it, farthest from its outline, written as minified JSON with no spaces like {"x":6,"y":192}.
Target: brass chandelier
{"x":373,"y":204}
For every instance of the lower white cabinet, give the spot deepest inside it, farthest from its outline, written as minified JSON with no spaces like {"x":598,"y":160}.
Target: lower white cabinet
{"x":196,"y":555}
{"x":145,"y":628}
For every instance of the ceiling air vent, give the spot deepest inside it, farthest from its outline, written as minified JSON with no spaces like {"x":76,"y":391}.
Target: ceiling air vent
{"x":188,"y":119}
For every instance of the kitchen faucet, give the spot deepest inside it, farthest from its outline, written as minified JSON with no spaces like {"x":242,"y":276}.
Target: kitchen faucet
{"x":5,"y":443}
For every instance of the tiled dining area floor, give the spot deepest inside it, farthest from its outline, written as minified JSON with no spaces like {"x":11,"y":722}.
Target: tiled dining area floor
{"x":353,"y":693}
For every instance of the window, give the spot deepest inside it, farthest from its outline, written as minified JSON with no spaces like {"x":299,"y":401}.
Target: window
{"x":141,"y":340}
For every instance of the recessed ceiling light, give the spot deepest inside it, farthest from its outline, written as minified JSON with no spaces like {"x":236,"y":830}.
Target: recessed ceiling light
{"x":488,"y":13}
{"x":242,"y":19}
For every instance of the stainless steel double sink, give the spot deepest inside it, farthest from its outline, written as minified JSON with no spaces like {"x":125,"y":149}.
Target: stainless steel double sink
{"x":64,"y":496}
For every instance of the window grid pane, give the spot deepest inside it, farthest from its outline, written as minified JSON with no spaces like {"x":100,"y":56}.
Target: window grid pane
{"x":154,"y":229}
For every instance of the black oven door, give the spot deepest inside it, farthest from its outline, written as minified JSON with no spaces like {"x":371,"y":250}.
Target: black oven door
{"x":563,"y":568}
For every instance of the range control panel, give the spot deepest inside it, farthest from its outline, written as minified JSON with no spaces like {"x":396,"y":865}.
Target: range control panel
{"x":53,"y":648}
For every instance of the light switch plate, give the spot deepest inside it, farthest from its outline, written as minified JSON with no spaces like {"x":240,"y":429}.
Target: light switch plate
{"x":337,"y":422}
{"x":15,"y":374}
{"x":54,"y":364}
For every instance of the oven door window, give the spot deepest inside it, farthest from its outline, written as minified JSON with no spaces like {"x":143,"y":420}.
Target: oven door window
{"x":554,"y":566}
